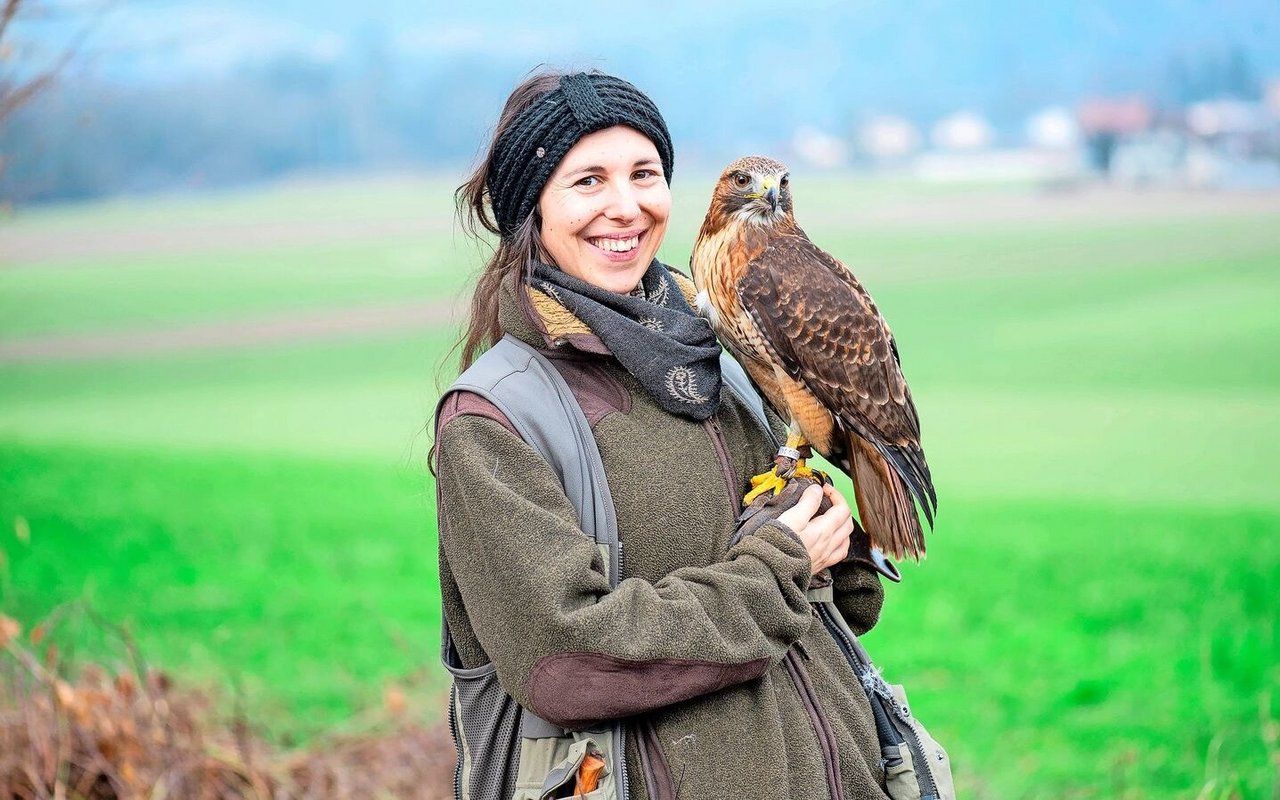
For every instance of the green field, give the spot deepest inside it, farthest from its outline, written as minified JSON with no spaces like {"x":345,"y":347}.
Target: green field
{"x":1098,"y":378}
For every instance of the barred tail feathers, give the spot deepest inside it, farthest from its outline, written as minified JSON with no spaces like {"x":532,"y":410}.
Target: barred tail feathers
{"x":885,"y":502}
{"x":908,"y":461}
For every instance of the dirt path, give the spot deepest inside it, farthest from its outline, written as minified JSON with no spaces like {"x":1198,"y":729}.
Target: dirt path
{"x":108,"y":244}
{"x":962,"y":208}
{"x":230,"y":334}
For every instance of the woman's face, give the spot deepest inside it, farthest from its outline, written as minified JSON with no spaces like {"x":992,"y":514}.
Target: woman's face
{"x":605,"y":208}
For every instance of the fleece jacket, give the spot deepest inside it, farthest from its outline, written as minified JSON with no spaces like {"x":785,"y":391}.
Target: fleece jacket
{"x":731,"y":687}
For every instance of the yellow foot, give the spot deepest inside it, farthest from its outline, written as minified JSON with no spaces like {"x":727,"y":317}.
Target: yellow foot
{"x":764,"y":482}
{"x":772,"y":481}
{"x":805,"y":471}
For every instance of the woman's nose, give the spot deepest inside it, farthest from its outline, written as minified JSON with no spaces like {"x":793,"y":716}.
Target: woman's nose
{"x":623,"y":203}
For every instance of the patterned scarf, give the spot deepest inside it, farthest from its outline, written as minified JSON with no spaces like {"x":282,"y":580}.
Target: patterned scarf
{"x":652,"y":332}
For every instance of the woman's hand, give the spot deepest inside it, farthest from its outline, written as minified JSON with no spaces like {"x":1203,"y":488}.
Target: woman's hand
{"x":825,"y":536}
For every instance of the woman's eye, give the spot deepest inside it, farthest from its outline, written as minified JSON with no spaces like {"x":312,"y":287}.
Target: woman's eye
{"x":589,"y":180}
{"x":642,"y":174}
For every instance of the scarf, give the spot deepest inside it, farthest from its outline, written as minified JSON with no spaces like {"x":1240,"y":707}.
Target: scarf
{"x":652,"y":332}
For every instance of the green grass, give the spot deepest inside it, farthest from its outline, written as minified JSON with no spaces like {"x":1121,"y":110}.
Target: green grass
{"x":1087,"y":649}
{"x":1101,"y":409}
{"x":307,"y":584}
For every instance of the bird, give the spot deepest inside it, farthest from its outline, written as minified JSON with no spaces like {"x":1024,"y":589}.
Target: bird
{"x":818,"y":350}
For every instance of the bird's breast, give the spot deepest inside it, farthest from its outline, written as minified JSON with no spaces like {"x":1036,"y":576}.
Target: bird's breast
{"x":716,"y":271}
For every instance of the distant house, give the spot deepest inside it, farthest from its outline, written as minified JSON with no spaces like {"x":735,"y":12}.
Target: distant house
{"x":1233,"y":143}
{"x":963,"y":130}
{"x":1105,"y":122}
{"x":964,"y":151}
{"x":1053,"y":128}
{"x":819,"y":149}
{"x":887,"y":138}
{"x":1271,"y":97}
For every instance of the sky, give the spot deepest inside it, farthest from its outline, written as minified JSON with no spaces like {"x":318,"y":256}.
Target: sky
{"x":947,"y":45}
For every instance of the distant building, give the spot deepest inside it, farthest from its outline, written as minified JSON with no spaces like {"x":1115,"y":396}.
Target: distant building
{"x":1105,"y":122}
{"x":963,"y":130}
{"x":1271,"y":97}
{"x":819,"y":149}
{"x":1053,"y":128}
{"x":1233,"y":144}
{"x":1150,"y":158}
{"x":964,"y":152}
{"x":1227,"y":117}
{"x":1024,"y":164}
{"x":886,"y":138}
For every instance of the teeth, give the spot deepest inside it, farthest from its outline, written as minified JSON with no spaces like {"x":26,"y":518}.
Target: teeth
{"x":617,"y":245}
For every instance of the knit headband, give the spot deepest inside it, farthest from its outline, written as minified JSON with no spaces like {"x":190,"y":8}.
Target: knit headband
{"x":531,"y":147}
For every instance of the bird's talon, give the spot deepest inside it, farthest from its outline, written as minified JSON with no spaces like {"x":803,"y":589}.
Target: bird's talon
{"x":803,"y":470}
{"x":765,"y":482}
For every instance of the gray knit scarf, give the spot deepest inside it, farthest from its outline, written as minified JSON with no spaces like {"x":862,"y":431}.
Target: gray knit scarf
{"x":652,"y":332}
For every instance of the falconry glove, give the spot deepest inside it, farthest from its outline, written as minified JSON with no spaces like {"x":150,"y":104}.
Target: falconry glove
{"x":768,"y":507}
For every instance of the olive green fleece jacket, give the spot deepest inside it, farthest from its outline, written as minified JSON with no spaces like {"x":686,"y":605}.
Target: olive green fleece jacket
{"x":692,"y":645}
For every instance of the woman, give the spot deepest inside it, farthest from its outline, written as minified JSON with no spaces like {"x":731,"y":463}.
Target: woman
{"x":703,"y":652}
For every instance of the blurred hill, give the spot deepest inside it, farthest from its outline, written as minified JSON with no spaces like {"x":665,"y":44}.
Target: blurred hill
{"x":168,"y":94}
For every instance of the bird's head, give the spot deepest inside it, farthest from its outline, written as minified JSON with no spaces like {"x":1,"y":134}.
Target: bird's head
{"x":753,"y":189}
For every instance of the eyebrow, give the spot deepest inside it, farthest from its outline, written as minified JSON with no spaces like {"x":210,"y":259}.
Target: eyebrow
{"x":644,"y":162}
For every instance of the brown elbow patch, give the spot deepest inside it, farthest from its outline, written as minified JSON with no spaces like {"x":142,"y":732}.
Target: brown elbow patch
{"x":574,"y":690}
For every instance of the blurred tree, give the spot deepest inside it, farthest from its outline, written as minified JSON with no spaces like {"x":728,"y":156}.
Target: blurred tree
{"x":15,"y":88}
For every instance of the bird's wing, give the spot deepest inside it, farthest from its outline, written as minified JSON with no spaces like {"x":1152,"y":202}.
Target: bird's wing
{"x":828,"y":334}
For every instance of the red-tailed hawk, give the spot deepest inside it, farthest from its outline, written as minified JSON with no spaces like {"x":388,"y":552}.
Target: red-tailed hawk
{"x":816,"y":346}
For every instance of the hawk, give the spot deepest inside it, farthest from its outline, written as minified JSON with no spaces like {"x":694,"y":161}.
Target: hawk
{"x":817,"y":348}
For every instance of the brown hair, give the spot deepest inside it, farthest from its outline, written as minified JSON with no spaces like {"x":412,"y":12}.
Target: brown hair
{"x":513,"y":255}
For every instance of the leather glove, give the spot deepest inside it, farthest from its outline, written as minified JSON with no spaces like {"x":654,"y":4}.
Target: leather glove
{"x":769,"y":507}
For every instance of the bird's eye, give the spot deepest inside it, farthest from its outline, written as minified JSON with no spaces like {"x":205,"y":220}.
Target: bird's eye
{"x":741,"y":179}
{"x":785,"y":182}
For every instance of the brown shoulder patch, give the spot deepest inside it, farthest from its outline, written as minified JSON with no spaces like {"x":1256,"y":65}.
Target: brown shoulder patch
{"x":597,"y":392}
{"x":463,"y":402}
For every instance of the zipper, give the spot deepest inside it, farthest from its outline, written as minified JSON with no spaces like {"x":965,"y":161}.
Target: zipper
{"x":885,"y":731}
{"x":620,"y":760}
{"x":923,"y":773}
{"x":795,"y":670}
{"x":908,"y":736}
{"x":826,"y":739}
{"x":457,"y":743}
{"x":726,"y":464}
{"x":619,"y":730}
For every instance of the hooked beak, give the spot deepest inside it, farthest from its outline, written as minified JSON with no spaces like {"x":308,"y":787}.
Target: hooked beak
{"x":770,"y":193}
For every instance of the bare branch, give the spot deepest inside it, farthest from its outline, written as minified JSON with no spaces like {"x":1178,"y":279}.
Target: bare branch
{"x":6,"y":16}
{"x":12,"y":98}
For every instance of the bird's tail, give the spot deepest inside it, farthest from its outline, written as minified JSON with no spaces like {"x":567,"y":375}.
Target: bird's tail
{"x":885,"y":502}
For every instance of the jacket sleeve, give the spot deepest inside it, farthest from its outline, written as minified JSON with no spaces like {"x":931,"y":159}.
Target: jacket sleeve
{"x":858,"y":594}
{"x":566,"y":646}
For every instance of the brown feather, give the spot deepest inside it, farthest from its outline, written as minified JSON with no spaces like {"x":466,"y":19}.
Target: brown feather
{"x":883,"y":503}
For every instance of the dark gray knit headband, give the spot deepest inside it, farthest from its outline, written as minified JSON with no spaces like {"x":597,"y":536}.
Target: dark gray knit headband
{"x":531,"y":147}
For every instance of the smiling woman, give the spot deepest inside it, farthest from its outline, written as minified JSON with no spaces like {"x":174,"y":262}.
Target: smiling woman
{"x":605,"y":208}
{"x":692,"y":666}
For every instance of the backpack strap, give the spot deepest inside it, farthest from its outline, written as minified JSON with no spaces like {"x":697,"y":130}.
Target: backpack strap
{"x":534,"y":397}
{"x":735,"y":377}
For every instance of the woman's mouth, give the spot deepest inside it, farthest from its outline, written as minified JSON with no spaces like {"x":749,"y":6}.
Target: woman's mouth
{"x":616,"y":246}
